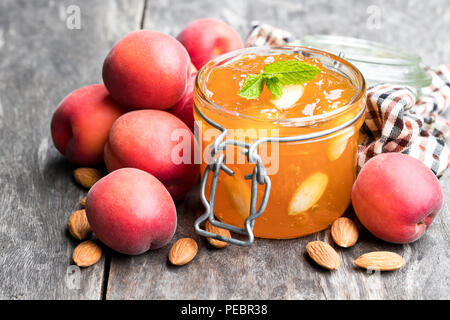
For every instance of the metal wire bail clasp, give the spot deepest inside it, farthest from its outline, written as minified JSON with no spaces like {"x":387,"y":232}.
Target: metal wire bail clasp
{"x":216,"y":164}
{"x":258,"y":176}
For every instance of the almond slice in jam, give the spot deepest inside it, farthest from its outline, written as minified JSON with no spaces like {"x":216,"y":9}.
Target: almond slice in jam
{"x":239,"y":194}
{"x":339,"y":144}
{"x":308,"y":193}
{"x":291,"y":94}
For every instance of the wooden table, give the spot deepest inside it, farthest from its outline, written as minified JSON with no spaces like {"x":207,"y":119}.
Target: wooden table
{"x":42,"y":59}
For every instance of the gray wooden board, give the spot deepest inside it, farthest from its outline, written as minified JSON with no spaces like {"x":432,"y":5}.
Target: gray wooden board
{"x":41,"y":60}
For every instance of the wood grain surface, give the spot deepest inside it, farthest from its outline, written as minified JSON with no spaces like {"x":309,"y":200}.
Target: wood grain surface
{"x":42,"y":60}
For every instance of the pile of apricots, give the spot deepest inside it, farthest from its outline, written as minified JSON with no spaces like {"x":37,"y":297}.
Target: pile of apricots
{"x":133,"y":123}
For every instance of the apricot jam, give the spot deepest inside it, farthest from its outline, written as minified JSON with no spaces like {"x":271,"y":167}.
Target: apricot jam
{"x":311,"y":178}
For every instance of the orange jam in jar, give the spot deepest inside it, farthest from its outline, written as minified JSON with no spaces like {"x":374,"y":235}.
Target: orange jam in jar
{"x":311,"y":178}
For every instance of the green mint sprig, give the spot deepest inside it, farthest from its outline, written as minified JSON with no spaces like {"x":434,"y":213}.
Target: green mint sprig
{"x":277,"y":74}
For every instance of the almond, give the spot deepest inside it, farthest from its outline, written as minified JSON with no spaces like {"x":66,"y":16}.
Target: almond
{"x":338,"y":144}
{"x":87,"y":253}
{"x":78,"y":225}
{"x":380,"y":260}
{"x":323,"y":254}
{"x":239,"y":194}
{"x":183,"y":251}
{"x":87,"y":177}
{"x":308,"y":193}
{"x":223,"y":232}
{"x":344,"y":232}
{"x":83,"y":201}
{"x":290,"y":95}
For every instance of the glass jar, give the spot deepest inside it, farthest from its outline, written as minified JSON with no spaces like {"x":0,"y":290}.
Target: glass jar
{"x":378,"y":62}
{"x":309,"y":161}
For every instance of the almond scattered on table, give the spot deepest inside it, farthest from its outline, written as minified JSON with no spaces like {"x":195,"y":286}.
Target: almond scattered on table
{"x":87,"y":177}
{"x":380,"y":260}
{"x":83,"y":201}
{"x":223,"y":232}
{"x":87,"y":253}
{"x":78,"y":225}
{"x":344,"y":232}
{"x":323,"y":254}
{"x":183,"y":251}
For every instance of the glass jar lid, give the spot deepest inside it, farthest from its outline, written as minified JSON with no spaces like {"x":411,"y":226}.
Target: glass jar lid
{"x":376,"y":61}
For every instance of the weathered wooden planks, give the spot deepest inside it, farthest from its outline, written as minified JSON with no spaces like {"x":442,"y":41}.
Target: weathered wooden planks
{"x":41,"y":61}
{"x":281,"y":269}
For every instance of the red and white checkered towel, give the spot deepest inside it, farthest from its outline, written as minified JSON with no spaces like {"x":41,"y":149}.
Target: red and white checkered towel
{"x":396,"y":121}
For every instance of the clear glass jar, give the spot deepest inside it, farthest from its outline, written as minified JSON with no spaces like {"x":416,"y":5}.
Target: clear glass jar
{"x":311,"y":179}
{"x":378,"y":62}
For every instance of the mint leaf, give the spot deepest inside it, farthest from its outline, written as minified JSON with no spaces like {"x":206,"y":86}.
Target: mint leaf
{"x":277,"y":74}
{"x":292,"y":71}
{"x":275,"y":86}
{"x":252,"y":87}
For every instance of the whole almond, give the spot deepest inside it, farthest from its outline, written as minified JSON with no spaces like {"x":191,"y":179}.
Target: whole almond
{"x":183,"y":251}
{"x":87,"y":177}
{"x":323,"y":254}
{"x":380,"y":260}
{"x":344,"y":232}
{"x":87,"y":253}
{"x":78,"y":225}
{"x":223,"y":232}
{"x":83,"y":201}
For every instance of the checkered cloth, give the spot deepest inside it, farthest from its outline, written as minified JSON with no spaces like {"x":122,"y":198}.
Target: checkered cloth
{"x":396,"y":121}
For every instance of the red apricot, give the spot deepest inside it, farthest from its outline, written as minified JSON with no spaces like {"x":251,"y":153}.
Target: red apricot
{"x":208,"y":38}
{"x":396,"y":197}
{"x":131,"y":212}
{"x":184,"y":108}
{"x":81,"y":123}
{"x":157,"y":142}
{"x":147,"y":70}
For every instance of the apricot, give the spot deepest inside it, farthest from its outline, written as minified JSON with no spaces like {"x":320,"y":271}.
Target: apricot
{"x":157,"y":142}
{"x":131,"y":211}
{"x":81,"y":123}
{"x":184,"y":108}
{"x":147,"y":70}
{"x":208,"y":38}
{"x":396,"y":197}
